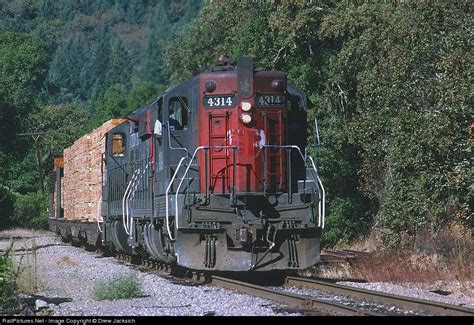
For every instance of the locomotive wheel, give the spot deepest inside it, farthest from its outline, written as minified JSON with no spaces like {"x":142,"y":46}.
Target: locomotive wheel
{"x":156,"y":244}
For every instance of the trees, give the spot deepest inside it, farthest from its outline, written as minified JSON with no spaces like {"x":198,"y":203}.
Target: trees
{"x":119,"y":68}
{"x":117,"y":101}
{"x":143,"y":94}
{"x":405,"y":74}
{"x":97,"y":44}
{"x":89,"y":56}
{"x":390,"y":85}
{"x":152,"y":58}
{"x":23,"y":68}
{"x":63,"y":124}
{"x":113,"y":103}
{"x":66,"y":67}
{"x":389,"y":82}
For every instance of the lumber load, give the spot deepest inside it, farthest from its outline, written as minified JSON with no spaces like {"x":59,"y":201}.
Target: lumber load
{"x":82,"y":180}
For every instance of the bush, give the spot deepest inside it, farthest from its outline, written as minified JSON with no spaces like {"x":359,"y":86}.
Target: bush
{"x":6,"y":206}
{"x":124,"y":287}
{"x":31,"y":211}
{"x":8,"y":284}
{"x":344,"y":222}
{"x":391,"y":84}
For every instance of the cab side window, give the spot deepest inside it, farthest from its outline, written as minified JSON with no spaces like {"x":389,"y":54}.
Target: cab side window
{"x":118,"y":145}
{"x":178,"y":114}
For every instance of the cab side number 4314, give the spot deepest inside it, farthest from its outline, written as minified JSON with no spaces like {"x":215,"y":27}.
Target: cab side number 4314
{"x":219,"y":101}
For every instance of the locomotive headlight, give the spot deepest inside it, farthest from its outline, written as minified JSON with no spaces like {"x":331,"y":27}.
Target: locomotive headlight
{"x":246,"y":118}
{"x":246,"y":106}
{"x":278,"y":85}
{"x":210,"y":86}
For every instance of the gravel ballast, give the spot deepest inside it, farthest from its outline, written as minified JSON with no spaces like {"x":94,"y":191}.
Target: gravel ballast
{"x":67,"y":277}
{"x":69,"y":272}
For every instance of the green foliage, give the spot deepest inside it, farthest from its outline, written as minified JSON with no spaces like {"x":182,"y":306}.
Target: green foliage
{"x":117,"y":102}
{"x":63,"y":124}
{"x":113,"y":103}
{"x":96,"y":44}
{"x":143,"y":94}
{"x":31,"y":211}
{"x":23,"y":67}
{"x":23,"y":174}
{"x":404,"y":76}
{"x":124,"y":287}
{"x":345,"y":222}
{"x":6,"y":206}
{"x":390,"y":84}
{"x":119,"y":66}
{"x":8,"y":282}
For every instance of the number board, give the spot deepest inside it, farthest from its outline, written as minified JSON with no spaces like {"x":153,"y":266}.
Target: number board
{"x":219,"y":101}
{"x":270,"y":100}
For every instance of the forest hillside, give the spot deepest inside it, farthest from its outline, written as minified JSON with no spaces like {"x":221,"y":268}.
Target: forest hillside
{"x":390,"y":84}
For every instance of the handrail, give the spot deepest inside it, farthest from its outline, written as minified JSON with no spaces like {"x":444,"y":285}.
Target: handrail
{"x":124,"y":221}
{"x":316,"y":131}
{"x":321,"y":207}
{"x":99,"y":212}
{"x":129,"y":194}
{"x":129,"y":191}
{"x":166,"y":197}
{"x":167,"y":124}
{"x":322,"y":192}
{"x":132,"y":192}
{"x":187,"y":169}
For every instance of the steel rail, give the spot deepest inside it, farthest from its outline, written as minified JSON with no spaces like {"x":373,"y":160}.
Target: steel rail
{"x":437,"y":308}
{"x":289,"y":299}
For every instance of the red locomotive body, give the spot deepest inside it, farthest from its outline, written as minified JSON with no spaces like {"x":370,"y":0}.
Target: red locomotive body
{"x":222,"y":113}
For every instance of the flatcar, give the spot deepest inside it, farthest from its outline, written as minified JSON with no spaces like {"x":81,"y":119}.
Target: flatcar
{"x":214,"y":175}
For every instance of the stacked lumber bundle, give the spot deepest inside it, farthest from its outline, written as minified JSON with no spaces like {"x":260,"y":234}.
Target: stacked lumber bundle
{"x":82,"y":183}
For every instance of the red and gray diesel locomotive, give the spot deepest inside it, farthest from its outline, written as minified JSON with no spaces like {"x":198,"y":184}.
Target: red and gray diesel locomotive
{"x":215,"y":175}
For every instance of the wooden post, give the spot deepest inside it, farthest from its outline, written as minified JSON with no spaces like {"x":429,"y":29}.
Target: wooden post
{"x":38,"y":159}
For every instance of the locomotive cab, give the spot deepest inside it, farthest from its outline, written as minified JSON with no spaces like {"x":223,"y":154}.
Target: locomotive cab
{"x":215,"y":175}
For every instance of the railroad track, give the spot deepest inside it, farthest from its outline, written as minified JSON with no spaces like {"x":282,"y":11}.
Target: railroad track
{"x":436,"y":308}
{"x":292,"y":301}
{"x":304,"y":304}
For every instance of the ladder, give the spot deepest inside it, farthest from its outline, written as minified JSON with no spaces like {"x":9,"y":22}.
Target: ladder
{"x":218,"y":161}
{"x":274,"y":162}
